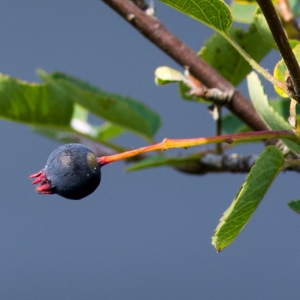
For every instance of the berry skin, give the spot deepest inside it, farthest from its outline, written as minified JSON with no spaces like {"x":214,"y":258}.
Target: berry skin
{"x":72,"y":171}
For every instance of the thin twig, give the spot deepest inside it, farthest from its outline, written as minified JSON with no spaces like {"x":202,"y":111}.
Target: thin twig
{"x":282,"y":43}
{"x":186,"y":143}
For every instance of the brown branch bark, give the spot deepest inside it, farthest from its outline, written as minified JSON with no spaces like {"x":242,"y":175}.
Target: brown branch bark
{"x":282,"y":43}
{"x":216,"y":163}
{"x":159,"y":35}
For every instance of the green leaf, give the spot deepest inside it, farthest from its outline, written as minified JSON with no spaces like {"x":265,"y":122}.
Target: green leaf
{"x":214,"y":13}
{"x":270,"y":117}
{"x":295,"y":206}
{"x":294,"y":43}
{"x":79,"y":130}
{"x":281,"y":69}
{"x":164,"y":75}
{"x":243,"y":12}
{"x":122,"y":111}
{"x":49,"y":110}
{"x":279,"y":73}
{"x":80,"y":127}
{"x":281,"y":106}
{"x":184,"y":92}
{"x":159,"y":160}
{"x":108,"y":131}
{"x":263,"y":28}
{"x":224,"y":58}
{"x":232,"y":124}
{"x":295,"y":7}
{"x":257,"y":183}
{"x":80,"y":113}
{"x":34,"y":104}
{"x":70,"y":135}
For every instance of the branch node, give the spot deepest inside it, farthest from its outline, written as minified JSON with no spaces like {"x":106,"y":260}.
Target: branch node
{"x":130,"y":17}
{"x":215,"y":95}
{"x":218,"y":96}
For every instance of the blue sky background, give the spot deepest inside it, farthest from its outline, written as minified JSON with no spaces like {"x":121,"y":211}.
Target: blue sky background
{"x":141,"y":235}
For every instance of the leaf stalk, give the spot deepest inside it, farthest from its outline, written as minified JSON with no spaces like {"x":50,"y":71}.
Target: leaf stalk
{"x":254,"y":64}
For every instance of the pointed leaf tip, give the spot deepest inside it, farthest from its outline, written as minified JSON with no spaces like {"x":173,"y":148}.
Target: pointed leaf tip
{"x":214,"y":13}
{"x":295,"y":206}
{"x":251,"y":193}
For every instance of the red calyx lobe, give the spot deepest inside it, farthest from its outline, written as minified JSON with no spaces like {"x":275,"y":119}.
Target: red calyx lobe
{"x":45,"y":186}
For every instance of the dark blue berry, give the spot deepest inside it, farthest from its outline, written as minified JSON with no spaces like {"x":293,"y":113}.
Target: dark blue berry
{"x":72,"y":171}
